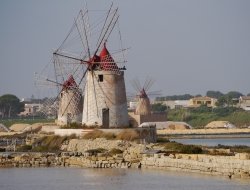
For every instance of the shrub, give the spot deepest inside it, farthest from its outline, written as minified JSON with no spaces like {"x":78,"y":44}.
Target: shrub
{"x":128,"y":135}
{"x":115,"y":151}
{"x":51,"y":143}
{"x":95,"y":151}
{"x":74,"y":125}
{"x":40,"y":149}
{"x":109,"y":136}
{"x":99,"y":134}
{"x":236,"y":148}
{"x":181,"y":148}
{"x":162,"y":140}
{"x":93,"y":134}
{"x":24,"y":148}
{"x":190,"y":149}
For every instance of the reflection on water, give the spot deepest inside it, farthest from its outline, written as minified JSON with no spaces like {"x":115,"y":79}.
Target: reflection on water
{"x":111,"y":179}
{"x":214,"y":141}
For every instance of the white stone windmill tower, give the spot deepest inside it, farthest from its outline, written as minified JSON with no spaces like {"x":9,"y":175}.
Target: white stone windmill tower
{"x":102,"y":75}
{"x":65,"y":102}
{"x":105,"y":102}
{"x":70,"y":103}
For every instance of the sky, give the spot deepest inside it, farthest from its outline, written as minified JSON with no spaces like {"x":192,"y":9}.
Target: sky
{"x":184,"y":46}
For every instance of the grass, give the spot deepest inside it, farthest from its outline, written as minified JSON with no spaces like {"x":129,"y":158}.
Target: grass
{"x":99,"y":134}
{"x":51,"y":143}
{"x":9,"y":122}
{"x":174,"y":147}
{"x":126,"y":134}
{"x":236,"y":148}
{"x":24,"y":148}
{"x":115,"y":151}
{"x":198,"y":117}
{"x":95,"y":151}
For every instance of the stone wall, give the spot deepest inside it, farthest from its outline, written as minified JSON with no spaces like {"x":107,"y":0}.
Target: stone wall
{"x":65,"y":159}
{"x":136,"y":120}
{"x":237,"y":166}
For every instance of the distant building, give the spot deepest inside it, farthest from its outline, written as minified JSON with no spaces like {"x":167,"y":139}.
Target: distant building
{"x":135,"y":119}
{"x":142,"y":112}
{"x":244,"y":102}
{"x":204,"y":100}
{"x":30,"y":109}
{"x":174,"y":104}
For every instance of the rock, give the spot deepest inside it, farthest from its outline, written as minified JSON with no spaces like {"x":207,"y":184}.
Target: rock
{"x":171,"y":156}
{"x":243,"y":156}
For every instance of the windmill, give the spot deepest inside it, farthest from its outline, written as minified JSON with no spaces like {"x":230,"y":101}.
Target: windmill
{"x":142,"y":95}
{"x":59,"y":91}
{"x":100,"y":72}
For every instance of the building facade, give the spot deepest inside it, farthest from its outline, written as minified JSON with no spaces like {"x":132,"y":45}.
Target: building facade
{"x":244,"y":102}
{"x":203,"y":100}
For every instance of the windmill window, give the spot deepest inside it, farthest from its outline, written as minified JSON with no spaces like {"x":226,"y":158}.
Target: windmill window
{"x":100,"y":78}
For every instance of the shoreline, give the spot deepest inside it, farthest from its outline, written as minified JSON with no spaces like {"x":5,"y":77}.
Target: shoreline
{"x":237,"y":166}
{"x":206,"y":136}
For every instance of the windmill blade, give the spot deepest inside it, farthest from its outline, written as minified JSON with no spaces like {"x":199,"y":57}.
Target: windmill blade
{"x":85,"y":24}
{"x":104,"y":24}
{"x":109,"y":28}
{"x":136,"y":85}
{"x":148,"y":83}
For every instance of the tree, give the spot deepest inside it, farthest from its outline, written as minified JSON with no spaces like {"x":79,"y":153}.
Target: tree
{"x":158,"y":107}
{"x":221,"y":101}
{"x":175,"y":97}
{"x":234,"y":94}
{"x":248,"y":94}
{"x":214,"y":94}
{"x":10,"y":105}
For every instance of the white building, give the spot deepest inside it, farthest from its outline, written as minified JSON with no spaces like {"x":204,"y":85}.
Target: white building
{"x":244,"y":102}
{"x":30,"y":109}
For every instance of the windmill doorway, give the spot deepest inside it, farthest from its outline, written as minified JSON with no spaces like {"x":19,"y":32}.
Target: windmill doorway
{"x":105,"y":118}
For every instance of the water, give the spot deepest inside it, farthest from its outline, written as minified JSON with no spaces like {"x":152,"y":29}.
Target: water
{"x":214,"y":141}
{"x":112,"y":179}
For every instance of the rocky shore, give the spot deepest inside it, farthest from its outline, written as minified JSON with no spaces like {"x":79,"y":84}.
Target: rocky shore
{"x":81,"y":153}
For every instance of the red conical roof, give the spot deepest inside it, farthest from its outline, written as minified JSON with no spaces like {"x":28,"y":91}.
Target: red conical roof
{"x":104,"y":53}
{"x":143,"y":93}
{"x":107,"y":62}
{"x":69,"y":83}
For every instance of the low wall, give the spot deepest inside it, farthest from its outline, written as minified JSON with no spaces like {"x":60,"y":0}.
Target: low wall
{"x":49,"y":128}
{"x":202,"y":131}
{"x":237,"y":166}
{"x":68,"y":132}
{"x":136,"y":120}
